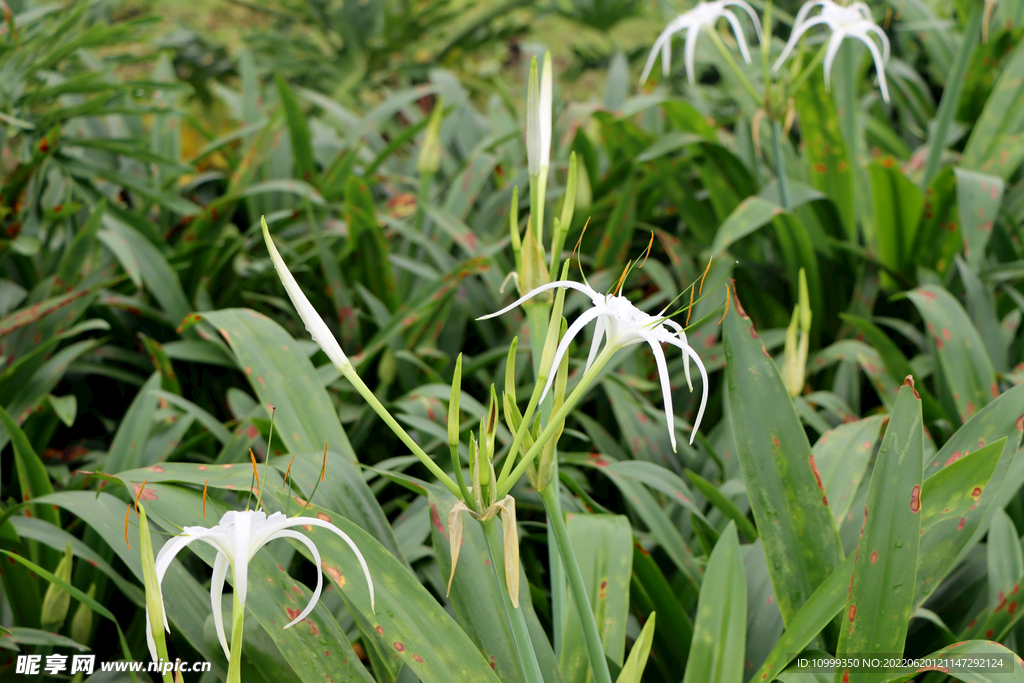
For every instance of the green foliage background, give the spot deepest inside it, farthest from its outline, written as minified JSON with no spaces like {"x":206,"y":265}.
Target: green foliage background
{"x":144,"y":334}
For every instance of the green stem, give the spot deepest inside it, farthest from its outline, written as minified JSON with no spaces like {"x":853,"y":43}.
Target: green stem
{"x":731,"y":62}
{"x":467,"y":497}
{"x":524,"y":426}
{"x":364,"y":391}
{"x":516,"y":621}
{"x":591,"y":638}
{"x":237,"y":624}
{"x":505,"y":484}
{"x":951,"y":93}
{"x":780,"y":166}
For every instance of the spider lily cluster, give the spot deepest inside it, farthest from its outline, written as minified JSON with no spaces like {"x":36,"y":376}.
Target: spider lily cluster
{"x":843,"y":21}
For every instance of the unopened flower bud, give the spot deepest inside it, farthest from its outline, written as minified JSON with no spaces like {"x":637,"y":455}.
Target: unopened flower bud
{"x":430,"y":152}
{"x":81,"y":623}
{"x":57,"y":600}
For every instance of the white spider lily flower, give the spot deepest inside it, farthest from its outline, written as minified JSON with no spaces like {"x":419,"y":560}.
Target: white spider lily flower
{"x":538,"y":118}
{"x":238,"y":537}
{"x":854,"y":22}
{"x":704,"y":15}
{"x":315,"y":325}
{"x":623,"y":324}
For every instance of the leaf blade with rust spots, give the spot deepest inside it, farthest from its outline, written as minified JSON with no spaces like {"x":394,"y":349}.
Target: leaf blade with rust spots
{"x":978,"y":197}
{"x":952,"y":491}
{"x":284,"y":377}
{"x":881,"y":594}
{"x":842,"y":455}
{"x":964,"y":371}
{"x":800,"y":539}
{"x":603,"y":544}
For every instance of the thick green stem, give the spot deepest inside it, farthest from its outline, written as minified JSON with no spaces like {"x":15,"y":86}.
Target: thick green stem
{"x":554,"y":424}
{"x":364,"y":391}
{"x":591,"y":638}
{"x":951,"y":93}
{"x":237,"y":624}
{"x":780,"y":165}
{"x":516,"y":621}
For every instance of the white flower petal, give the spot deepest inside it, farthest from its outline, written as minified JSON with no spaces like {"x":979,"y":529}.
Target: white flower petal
{"x":753,"y":16}
{"x":220,"y":572}
{"x":594,"y":296}
{"x":313,"y":521}
{"x":741,"y":38}
{"x":164,"y":558}
{"x":690,"y":54}
{"x":595,"y":344}
{"x":315,"y":325}
{"x":243,"y":551}
{"x":666,"y":388}
{"x":834,"y":43}
{"x":295,"y":535}
{"x":570,"y":334}
{"x":798,"y":30}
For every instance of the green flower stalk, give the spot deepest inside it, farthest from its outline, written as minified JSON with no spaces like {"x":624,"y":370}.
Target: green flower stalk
{"x":327,"y":342}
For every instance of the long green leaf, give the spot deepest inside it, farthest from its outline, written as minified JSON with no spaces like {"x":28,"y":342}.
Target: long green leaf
{"x":882,"y":592}
{"x":967,"y":375}
{"x":719,"y":631}
{"x":785,"y":489}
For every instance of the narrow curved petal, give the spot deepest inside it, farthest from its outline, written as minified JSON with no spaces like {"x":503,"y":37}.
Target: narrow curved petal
{"x":805,"y":9}
{"x":704,"y":395}
{"x":690,"y":57}
{"x":313,"y":521}
{"x":753,"y":16}
{"x":688,"y":351}
{"x":570,"y":333}
{"x":315,"y":325}
{"x":220,"y":572}
{"x":794,"y":38}
{"x":666,"y":57}
{"x":288,"y":533}
{"x":882,"y":38}
{"x":243,"y":551}
{"x":879,"y":63}
{"x":594,"y":296}
{"x":834,"y":43}
{"x":595,"y":345}
{"x":737,"y":29}
{"x":163,"y":561}
{"x":664,"y":38}
{"x":666,"y":387}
